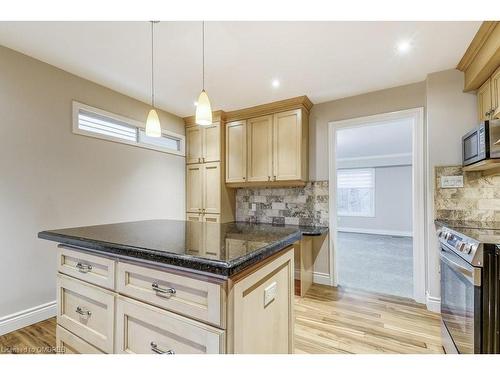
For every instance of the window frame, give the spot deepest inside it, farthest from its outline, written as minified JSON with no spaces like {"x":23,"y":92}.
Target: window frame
{"x":77,"y":106}
{"x":373,"y":195}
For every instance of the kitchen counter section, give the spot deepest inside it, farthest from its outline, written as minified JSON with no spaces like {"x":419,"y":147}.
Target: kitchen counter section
{"x":200,"y":246}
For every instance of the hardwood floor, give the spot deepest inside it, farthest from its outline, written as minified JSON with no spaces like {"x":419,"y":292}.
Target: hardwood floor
{"x":328,"y":320}
{"x":335,"y":320}
{"x":39,"y":338}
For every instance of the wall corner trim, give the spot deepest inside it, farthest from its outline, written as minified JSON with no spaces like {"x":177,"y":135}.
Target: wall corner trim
{"x":27,"y":317}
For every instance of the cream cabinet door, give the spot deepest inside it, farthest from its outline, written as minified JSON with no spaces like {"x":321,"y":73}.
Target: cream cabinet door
{"x":236,"y":151}
{"x":194,"y":187}
{"x":287,"y":146}
{"x":145,"y":329}
{"x":495,"y":94}
{"x":211,"y":188}
{"x":260,"y":148}
{"x":211,"y":235}
{"x":484,"y":101}
{"x":194,"y":145}
{"x":211,"y":143}
{"x":194,"y":234}
{"x":87,"y":311}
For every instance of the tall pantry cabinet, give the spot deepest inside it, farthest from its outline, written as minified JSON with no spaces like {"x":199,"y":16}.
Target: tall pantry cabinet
{"x":207,"y":198}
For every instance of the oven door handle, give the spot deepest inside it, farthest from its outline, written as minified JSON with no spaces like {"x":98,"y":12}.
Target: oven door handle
{"x":474,"y":275}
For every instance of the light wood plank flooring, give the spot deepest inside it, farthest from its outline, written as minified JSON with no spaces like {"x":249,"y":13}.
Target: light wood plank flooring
{"x":39,"y":338}
{"x":328,"y":320}
{"x":335,"y":320}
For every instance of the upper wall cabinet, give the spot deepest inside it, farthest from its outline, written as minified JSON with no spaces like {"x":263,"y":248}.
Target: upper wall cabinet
{"x":495,"y":94}
{"x":260,"y":149}
{"x":484,"y":104}
{"x":203,"y":143}
{"x":236,"y":152}
{"x":289,"y":146}
{"x":488,"y":98}
{"x":274,"y":144}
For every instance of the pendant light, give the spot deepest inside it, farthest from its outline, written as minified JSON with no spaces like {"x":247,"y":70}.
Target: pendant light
{"x":203,"y":108}
{"x":153,"y":127}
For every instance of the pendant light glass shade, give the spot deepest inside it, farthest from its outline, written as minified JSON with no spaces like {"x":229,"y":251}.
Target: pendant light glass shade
{"x":203,"y":110}
{"x":153,"y":128}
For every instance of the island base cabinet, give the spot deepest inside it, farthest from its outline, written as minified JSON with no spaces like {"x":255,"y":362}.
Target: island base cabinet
{"x":68,"y":343}
{"x":144,"y":329}
{"x":87,"y":311}
{"x":261,"y":308}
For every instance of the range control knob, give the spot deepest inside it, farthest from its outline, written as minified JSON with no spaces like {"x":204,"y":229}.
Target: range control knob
{"x":468,"y":248}
{"x":460,"y":246}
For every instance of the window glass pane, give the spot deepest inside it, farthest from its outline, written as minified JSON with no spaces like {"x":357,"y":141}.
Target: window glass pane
{"x":165,"y":141}
{"x":355,"y":192}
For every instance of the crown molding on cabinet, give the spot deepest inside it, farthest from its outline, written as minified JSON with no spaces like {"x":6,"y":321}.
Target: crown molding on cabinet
{"x":482,"y":56}
{"x":217,"y":116}
{"x":299,"y":102}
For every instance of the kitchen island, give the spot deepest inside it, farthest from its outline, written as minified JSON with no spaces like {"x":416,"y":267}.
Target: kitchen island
{"x":165,"y":286}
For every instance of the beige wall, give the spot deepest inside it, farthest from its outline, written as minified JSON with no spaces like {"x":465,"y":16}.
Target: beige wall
{"x":52,"y":178}
{"x":450,"y":114}
{"x":383,"y":101}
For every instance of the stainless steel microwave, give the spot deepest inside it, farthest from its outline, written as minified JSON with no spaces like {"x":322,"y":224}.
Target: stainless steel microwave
{"x":481,"y":143}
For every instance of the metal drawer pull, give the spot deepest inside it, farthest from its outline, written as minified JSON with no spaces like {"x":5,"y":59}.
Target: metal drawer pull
{"x":83,"y":311}
{"x":155,"y":349}
{"x":84,"y":267}
{"x":156,"y":288}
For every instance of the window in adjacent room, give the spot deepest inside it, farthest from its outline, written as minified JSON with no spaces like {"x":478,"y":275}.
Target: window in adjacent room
{"x":97,"y":123}
{"x":356,"y":192}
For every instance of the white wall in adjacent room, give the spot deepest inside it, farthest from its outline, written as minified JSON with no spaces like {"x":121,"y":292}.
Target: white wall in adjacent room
{"x":393,"y":205}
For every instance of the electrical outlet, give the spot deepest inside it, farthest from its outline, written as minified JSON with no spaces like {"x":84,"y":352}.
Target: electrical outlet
{"x":270,"y":293}
{"x":452,"y":182}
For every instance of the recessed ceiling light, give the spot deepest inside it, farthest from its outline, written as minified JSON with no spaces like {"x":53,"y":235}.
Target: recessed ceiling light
{"x":275,"y":83}
{"x":404,"y":46}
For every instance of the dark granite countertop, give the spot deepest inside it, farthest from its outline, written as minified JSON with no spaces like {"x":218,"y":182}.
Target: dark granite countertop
{"x":221,"y":249}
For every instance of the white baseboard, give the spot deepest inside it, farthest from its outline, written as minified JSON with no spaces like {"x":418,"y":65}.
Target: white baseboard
{"x":433,"y":303}
{"x":321,"y":278}
{"x":376,"y":231}
{"x":27,"y":317}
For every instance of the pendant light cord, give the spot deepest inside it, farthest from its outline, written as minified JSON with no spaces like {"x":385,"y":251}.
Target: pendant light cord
{"x":203,"y":53}
{"x":152,"y":65}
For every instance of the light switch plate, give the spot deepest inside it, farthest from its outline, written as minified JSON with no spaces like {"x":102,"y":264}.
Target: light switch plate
{"x":254,"y":207}
{"x":270,"y":293}
{"x":452,"y":182}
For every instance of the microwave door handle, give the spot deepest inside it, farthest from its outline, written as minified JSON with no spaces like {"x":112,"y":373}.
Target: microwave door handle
{"x":474,"y":275}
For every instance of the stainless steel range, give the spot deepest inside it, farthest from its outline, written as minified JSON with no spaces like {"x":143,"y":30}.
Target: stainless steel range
{"x":470,"y":285}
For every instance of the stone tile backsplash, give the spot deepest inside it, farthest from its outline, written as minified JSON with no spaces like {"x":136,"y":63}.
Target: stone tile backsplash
{"x":306,"y":205}
{"x":479,"y":199}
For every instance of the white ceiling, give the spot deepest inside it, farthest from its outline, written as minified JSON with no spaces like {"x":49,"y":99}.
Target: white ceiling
{"x":377,"y":139}
{"x":324,"y":60}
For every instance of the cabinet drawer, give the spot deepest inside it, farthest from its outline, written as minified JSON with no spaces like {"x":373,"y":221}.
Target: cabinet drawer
{"x":192,"y":297}
{"x":93,"y":269}
{"x":69,"y":343}
{"x":87,"y":311}
{"x":144,"y":329}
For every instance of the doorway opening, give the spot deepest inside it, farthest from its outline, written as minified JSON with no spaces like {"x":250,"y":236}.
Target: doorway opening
{"x":377,"y":206}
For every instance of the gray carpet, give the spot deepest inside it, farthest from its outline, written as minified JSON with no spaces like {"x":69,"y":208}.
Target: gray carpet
{"x":377,"y":263}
